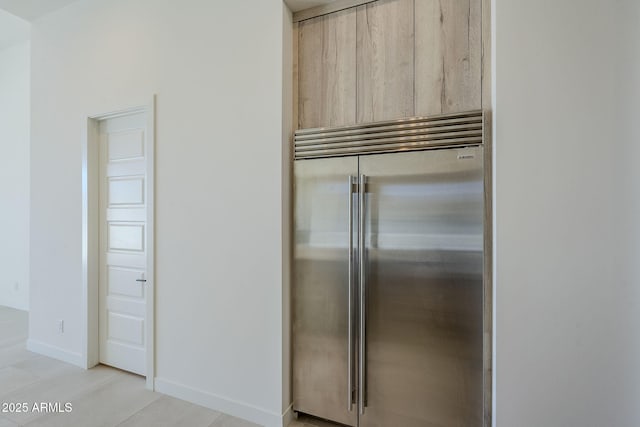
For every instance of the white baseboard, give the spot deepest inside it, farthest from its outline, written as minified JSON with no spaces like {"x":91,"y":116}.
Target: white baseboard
{"x":222,"y":404}
{"x":55,"y":352}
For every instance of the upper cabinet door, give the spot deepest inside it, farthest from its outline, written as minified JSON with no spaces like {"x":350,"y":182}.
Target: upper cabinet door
{"x":390,"y":59}
{"x":327,"y":70}
{"x":385,"y":51}
{"x":448,"y":56}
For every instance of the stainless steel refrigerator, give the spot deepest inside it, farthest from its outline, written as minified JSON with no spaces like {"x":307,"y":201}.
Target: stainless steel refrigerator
{"x":388,"y":273}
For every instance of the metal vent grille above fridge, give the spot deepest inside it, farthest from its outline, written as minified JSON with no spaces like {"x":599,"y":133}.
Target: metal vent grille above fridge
{"x":410,"y":134}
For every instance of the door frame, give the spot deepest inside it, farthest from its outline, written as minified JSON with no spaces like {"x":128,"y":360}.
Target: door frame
{"x":91,"y":235}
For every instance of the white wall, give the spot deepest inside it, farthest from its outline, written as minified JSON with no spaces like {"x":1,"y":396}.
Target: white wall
{"x":567,"y":207}
{"x":626,"y":313}
{"x":14,"y":175}
{"x":217,"y":69}
{"x":13,"y":30}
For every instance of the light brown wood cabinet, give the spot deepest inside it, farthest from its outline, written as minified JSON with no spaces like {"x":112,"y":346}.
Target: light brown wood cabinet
{"x":327,"y":70}
{"x":390,"y":59}
{"x":385,"y":65}
{"x":448,"y":53}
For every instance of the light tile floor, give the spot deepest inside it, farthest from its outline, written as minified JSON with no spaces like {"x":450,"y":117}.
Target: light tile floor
{"x":102,"y":396}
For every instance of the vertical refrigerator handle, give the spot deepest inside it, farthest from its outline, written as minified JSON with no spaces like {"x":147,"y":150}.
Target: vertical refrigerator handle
{"x":350,"y":301}
{"x":362,"y":296}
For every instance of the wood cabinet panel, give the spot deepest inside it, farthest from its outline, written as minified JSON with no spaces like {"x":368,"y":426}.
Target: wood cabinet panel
{"x":486,"y":54}
{"x":385,"y":51}
{"x":390,"y":59}
{"x":327,"y":70}
{"x":448,"y":56}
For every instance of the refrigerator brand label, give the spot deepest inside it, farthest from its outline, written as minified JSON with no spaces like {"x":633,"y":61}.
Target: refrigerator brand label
{"x":466,"y":156}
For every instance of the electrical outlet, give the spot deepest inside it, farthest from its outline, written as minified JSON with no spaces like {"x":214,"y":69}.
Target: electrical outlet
{"x":16,"y":286}
{"x":61,"y":326}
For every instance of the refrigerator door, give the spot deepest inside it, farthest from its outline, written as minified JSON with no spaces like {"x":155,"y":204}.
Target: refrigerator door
{"x":423,"y":225}
{"x":320,"y":288}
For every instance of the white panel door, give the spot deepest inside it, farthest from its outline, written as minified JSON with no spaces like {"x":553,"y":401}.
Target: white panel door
{"x":123,"y":242}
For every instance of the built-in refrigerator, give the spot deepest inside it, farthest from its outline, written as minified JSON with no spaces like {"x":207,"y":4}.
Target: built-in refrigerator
{"x":387,"y":293}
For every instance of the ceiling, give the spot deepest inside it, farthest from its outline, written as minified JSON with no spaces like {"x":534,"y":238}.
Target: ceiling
{"x":297,"y":5}
{"x":33,"y":9}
